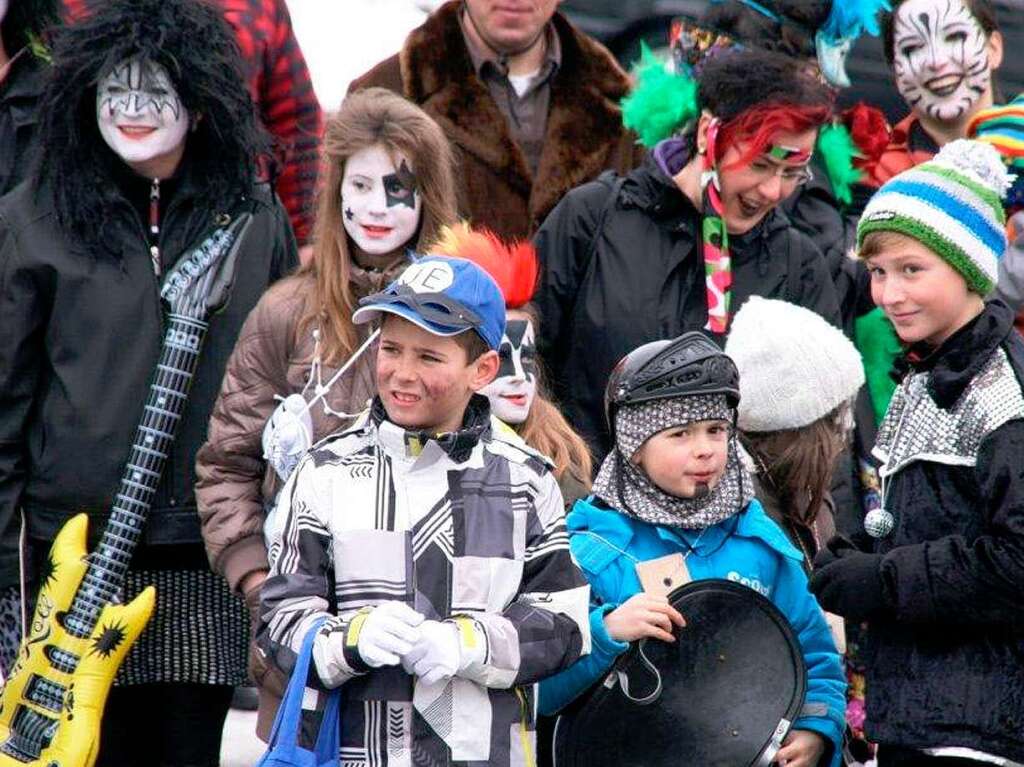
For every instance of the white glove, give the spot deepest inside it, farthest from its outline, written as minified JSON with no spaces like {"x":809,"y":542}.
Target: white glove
{"x":436,"y":655}
{"x":287,"y":435}
{"x":388,"y":632}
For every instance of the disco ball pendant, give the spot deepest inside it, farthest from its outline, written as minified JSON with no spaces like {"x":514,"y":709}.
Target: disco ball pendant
{"x":879,"y":523}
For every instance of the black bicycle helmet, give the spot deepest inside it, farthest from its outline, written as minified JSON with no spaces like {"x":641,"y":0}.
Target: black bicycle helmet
{"x":685,"y":366}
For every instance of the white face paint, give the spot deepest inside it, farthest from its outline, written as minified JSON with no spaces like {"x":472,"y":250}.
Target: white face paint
{"x":140,"y":114}
{"x":512,"y":392}
{"x":379,"y":202}
{"x":4,"y":4}
{"x":941,"y":58}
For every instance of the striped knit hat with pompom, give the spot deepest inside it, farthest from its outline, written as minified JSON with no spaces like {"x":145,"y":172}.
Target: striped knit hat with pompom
{"x":951,"y":205}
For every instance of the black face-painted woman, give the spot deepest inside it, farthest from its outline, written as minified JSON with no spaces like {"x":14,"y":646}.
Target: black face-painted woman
{"x":150,"y":147}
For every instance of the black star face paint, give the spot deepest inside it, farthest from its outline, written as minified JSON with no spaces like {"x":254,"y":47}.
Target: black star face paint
{"x":512,"y":392}
{"x":380,"y":202}
{"x":940,"y":58}
{"x":139,"y":112}
{"x":400,"y":187}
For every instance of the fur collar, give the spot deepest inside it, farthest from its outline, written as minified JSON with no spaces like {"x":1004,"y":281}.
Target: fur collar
{"x":583,"y":122}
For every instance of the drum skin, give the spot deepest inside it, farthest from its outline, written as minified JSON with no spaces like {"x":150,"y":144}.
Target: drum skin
{"x":732,"y":683}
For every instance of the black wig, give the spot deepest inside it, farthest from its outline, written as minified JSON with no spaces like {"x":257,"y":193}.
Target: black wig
{"x":792,"y":35}
{"x":193,"y":42}
{"x":731,"y":84}
{"x":26,"y":18}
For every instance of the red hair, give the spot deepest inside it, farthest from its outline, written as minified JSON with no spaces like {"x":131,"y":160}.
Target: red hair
{"x":512,"y":265}
{"x":759,"y":125}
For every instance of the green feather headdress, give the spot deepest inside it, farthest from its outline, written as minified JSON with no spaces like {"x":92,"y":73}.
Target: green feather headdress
{"x":662,"y":104}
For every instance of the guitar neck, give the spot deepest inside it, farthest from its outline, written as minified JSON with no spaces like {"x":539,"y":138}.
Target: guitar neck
{"x":164,"y":407}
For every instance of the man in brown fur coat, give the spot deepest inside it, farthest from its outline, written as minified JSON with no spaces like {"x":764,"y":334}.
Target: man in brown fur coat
{"x":529,"y":103}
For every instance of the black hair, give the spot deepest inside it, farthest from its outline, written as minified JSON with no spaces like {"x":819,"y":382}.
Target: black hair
{"x":982,"y":10}
{"x":732,"y":83}
{"x":24,"y":18}
{"x":792,"y":35}
{"x":193,"y":42}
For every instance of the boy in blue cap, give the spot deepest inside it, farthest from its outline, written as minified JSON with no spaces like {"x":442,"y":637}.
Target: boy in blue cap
{"x":433,"y":540}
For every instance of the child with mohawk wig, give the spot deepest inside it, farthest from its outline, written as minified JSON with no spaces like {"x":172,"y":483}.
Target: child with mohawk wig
{"x":518,"y":396}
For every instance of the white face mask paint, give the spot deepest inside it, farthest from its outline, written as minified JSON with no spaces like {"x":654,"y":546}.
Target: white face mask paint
{"x":940,"y":55}
{"x":139,"y":113}
{"x":512,"y":392}
{"x":379,"y":201}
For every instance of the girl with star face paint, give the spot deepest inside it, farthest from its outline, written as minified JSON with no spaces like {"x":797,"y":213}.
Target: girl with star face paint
{"x":517,"y":394}
{"x":387,"y":187}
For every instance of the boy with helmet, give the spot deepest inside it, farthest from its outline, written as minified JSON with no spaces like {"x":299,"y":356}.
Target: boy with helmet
{"x":674,"y":484}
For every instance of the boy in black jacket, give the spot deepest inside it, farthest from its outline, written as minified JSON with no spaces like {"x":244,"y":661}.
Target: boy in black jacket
{"x":941,"y":586}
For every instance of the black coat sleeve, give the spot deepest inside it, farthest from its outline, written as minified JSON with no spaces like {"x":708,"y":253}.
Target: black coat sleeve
{"x":286,"y":249}
{"x":564,"y":243}
{"x":24,"y":312}
{"x":816,"y":286}
{"x":955,"y":581}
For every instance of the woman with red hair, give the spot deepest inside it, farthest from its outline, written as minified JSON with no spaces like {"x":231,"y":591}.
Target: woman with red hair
{"x":682,"y":242}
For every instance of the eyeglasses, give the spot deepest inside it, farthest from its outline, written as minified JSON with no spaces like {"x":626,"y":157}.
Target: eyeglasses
{"x":795,"y":175}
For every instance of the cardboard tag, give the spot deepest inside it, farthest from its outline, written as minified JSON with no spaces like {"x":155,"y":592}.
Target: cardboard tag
{"x":837,"y":626}
{"x":660,"y":577}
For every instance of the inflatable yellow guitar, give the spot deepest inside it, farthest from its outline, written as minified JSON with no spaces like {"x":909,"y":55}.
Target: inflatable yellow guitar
{"x":52,"y":702}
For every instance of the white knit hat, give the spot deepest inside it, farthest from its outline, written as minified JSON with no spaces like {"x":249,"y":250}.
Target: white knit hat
{"x":794,"y":366}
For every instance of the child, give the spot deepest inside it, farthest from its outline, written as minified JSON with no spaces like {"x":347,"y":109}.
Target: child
{"x":674,"y":483}
{"x":301,"y":333}
{"x":941,"y":584}
{"x":453,"y":589}
{"x":798,"y":378}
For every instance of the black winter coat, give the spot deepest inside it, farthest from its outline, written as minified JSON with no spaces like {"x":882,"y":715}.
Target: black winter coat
{"x":19,"y":95}
{"x":947,"y":669}
{"x":80,"y":335}
{"x":642,"y":279}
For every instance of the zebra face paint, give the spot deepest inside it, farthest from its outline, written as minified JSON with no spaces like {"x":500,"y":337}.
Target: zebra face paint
{"x":139,"y":112}
{"x":511,"y":393}
{"x":379,"y":201}
{"x":941,"y":58}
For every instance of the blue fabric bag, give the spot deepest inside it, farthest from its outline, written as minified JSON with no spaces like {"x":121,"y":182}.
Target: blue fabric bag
{"x":284,"y":749}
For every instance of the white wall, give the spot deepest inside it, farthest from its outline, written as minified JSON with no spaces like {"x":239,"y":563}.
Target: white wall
{"x":341,"y":39}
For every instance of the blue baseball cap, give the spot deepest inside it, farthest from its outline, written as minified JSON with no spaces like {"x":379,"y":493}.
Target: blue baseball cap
{"x":444,"y":296}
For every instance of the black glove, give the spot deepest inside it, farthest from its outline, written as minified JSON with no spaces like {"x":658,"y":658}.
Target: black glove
{"x":833,"y":550}
{"x":850,"y":584}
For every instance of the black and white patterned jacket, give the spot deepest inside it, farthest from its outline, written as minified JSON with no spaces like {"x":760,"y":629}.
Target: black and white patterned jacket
{"x":469,"y":524}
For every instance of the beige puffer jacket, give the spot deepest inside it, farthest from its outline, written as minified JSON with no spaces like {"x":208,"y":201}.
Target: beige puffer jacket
{"x":234,"y":482}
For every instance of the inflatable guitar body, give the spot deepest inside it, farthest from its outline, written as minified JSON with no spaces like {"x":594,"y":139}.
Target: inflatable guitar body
{"x":53,"y":699}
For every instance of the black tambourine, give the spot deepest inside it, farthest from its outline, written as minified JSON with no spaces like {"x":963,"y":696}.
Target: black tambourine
{"x":724,"y":694}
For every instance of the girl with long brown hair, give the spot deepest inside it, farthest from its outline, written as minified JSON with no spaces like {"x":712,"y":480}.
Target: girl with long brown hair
{"x":518,"y":396}
{"x":387,"y":186}
{"x":798,"y":377}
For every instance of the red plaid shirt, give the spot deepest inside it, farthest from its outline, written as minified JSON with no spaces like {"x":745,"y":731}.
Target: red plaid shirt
{"x":278,"y":79}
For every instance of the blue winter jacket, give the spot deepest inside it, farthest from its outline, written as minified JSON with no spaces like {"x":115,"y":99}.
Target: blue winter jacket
{"x":748,"y":548}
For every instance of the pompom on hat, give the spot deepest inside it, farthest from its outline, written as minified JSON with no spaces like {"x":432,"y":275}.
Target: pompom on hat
{"x":794,"y":366}
{"x":952,"y":205}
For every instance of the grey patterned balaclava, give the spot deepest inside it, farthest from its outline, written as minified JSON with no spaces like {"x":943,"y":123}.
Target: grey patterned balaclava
{"x":624,"y":486}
